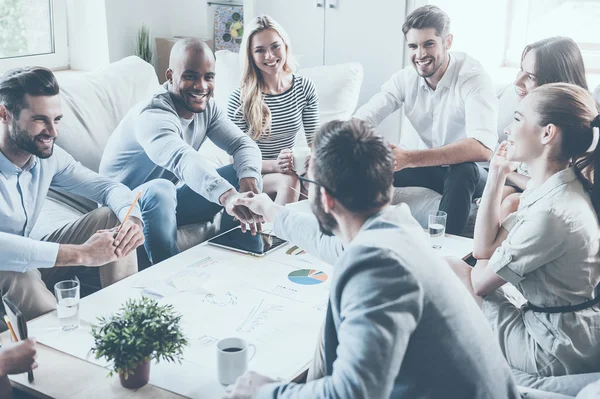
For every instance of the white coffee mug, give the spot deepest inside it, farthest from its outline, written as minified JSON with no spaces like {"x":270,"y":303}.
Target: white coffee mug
{"x":232,"y":359}
{"x":300,"y":154}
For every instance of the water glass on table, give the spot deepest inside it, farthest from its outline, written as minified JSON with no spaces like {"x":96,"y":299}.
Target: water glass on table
{"x":437,"y":228}
{"x":67,"y":303}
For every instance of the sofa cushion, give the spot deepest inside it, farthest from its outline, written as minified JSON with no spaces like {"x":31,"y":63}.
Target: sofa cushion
{"x":94,"y":103}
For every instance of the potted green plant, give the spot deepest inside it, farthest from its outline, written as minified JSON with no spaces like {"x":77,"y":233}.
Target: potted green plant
{"x":142,"y":45}
{"x":142,"y":330}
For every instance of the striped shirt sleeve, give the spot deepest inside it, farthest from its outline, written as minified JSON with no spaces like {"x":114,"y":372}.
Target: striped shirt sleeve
{"x":234,"y":110}
{"x":310,"y":114}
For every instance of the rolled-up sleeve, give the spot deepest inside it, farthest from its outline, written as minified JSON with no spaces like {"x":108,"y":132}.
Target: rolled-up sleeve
{"x":481,"y":110}
{"x":159,"y":134}
{"x":21,"y":254}
{"x":536,"y":240}
{"x":389,"y":99}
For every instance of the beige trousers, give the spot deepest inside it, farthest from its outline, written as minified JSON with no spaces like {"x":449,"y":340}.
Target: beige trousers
{"x":32,"y":291}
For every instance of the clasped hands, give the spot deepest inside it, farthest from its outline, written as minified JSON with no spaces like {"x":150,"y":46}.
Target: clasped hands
{"x":240,"y":212}
{"x":109,"y":245}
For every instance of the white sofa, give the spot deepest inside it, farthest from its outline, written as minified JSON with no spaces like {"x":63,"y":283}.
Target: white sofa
{"x":94,"y":103}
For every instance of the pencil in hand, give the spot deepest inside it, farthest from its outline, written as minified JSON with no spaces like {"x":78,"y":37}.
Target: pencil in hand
{"x":11,"y":329}
{"x":129,"y":211}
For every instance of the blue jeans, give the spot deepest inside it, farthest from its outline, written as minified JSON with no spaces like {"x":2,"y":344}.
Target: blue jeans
{"x":165,"y":207}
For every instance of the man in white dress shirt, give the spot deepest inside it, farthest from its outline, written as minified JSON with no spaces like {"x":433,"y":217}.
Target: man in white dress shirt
{"x":449,"y":100}
{"x":30,"y":163}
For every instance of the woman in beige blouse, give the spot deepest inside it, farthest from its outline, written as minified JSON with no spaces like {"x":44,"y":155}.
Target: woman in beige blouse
{"x":549,"y":248}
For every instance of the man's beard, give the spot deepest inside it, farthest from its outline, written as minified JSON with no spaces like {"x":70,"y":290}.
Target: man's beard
{"x":27,"y":143}
{"x":327,"y":223}
{"x":435,"y":68}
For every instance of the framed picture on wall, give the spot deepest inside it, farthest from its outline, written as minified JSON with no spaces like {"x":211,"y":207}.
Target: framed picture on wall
{"x":229,"y":27}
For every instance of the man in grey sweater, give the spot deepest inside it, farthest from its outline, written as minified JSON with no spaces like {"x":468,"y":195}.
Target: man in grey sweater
{"x":155,"y":150}
{"x":398,"y":323}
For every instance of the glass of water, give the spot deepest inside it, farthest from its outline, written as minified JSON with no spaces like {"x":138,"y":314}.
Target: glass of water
{"x":67,"y":299}
{"x":437,"y":228}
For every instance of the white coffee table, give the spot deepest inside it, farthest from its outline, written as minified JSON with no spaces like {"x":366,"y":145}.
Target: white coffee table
{"x":251,"y":298}
{"x":221,"y":294}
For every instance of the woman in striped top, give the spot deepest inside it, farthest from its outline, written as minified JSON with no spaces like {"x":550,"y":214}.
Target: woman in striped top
{"x":272,"y":105}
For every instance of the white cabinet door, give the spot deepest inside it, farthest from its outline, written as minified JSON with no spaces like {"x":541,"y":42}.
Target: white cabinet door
{"x":303,"y":20}
{"x":370,"y":33}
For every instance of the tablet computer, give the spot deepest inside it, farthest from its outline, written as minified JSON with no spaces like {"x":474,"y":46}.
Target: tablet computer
{"x":258,"y":245}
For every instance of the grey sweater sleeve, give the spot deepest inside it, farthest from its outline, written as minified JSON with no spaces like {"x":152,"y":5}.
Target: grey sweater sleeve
{"x":247,"y":158}
{"x":159,"y":133}
{"x":303,"y":230}
{"x":380,"y":308}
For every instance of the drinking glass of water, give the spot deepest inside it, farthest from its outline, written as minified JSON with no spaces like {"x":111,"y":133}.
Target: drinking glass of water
{"x":437,"y":228}
{"x":67,"y":299}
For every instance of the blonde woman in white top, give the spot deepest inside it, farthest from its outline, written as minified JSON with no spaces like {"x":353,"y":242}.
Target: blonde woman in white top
{"x":549,"y":248}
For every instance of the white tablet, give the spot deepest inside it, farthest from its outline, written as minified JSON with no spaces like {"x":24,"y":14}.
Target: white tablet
{"x":258,"y":245}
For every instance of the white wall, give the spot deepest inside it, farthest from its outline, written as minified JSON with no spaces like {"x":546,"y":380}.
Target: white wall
{"x":87,"y":35}
{"x":475,"y":34}
{"x":105,"y":31}
{"x":125,"y":17}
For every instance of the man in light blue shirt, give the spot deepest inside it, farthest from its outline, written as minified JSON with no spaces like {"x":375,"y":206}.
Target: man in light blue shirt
{"x":155,"y":150}
{"x":30,"y":163}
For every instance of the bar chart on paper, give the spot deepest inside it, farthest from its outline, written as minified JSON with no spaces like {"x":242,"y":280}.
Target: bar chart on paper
{"x":307,"y":277}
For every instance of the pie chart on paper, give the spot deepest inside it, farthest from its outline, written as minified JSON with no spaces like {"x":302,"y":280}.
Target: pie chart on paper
{"x":307,"y":277}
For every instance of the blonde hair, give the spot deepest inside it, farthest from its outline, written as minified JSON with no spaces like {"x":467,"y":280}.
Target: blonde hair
{"x":253,"y":107}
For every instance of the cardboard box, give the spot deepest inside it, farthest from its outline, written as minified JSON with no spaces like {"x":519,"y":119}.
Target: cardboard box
{"x":163,"y":50}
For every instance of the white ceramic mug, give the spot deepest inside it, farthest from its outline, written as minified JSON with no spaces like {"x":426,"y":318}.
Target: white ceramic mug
{"x":300,"y":154}
{"x":233,"y":356}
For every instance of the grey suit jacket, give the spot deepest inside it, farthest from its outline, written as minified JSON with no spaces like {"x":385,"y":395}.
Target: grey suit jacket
{"x":401,"y":323}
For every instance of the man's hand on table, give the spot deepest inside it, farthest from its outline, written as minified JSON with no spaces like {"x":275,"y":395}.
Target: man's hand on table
{"x":246,"y":386}
{"x":17,"y":358}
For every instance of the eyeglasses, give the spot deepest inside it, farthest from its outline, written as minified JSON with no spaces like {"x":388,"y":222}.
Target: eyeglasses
{"x":305,"y":180}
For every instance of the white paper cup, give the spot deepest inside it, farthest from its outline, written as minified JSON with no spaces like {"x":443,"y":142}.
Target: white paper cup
{"x":233,"y":356}
{"x":300,"y":154}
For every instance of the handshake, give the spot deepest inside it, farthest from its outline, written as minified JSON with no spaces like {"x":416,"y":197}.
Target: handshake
{"x":250,"y":209}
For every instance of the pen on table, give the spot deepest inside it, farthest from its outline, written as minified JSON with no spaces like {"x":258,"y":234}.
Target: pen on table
{"x":10,"y":327}
{"x":299,"y":192}
{"x":129,"y":211}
